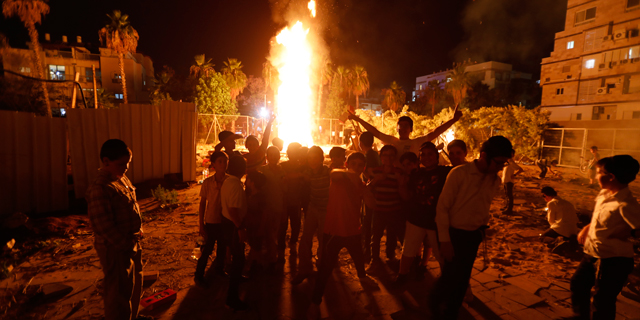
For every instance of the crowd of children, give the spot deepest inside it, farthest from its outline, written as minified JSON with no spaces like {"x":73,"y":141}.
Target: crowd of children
{"x":402,"y":191}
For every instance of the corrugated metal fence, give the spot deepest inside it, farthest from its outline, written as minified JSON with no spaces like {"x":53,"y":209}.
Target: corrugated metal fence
{"x":33,"y":163}
{"x":162,"y":139}
{"x":33,"y":150}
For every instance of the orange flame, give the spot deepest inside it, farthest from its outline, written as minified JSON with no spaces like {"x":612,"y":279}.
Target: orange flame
{"x":312,"y":8}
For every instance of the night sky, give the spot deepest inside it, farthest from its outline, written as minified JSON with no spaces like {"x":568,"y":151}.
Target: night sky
{"x":394,"y":40}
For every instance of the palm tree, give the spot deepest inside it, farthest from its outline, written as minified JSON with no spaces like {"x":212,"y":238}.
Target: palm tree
{"x":326,"y":75}
{"x":122,"y":38}
{"x":235,"y":78}
{"x":359,"y":83}
{"x":202,"y":67}
{"x":30,"y":12}
{"x":459,"y":83}
{"x":394,"y":97}
{"x":343,"y":76}
{"x":433,"y":95}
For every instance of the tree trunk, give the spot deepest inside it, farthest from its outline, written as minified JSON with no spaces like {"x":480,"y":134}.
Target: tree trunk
{"x":357,"y":101}
{"x":124,"y":82}
{"x":33,"y":34}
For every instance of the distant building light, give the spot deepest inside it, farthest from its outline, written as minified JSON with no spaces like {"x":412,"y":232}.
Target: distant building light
{"x":119,"y":96}
{"x":590,"y":64}
{"x":263,"y":112}
{"x":570,"y":44}
{"x":63,"y":112}
{"x":538,"y":81}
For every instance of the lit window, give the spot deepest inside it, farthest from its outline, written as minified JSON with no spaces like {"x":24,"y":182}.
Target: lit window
{"x":25,"y":69}
{"x":420,"y":87}
{"x":119,"y":96}
{"x":590,"y":64}
{"x":56,"y":72}
{"x":570,"y":45}
{"x":633,"y":3}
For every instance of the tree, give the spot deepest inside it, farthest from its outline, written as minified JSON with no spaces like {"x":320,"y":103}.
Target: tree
{"x":236,"y":79}
{"x":459,"y":83}
{"x":213,"y":96}
{"x":122,"y":38}
{"x":326,"y":75}
{"x":480,"y":95}
{"x":161,"y":88}
{"x":202,"y":67}
{"x":342,"y":76}
{"x":253,"y":95}
{"x":394,"y":97}
{"x":359,"y":83}
{"x":30,"y":12}
{"x":335,"y":104}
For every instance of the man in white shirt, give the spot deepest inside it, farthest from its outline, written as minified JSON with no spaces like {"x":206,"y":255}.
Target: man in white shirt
{"x":405,"y":127}
{"x":462,"y":215}
{"x":234,"y":208}
{"x":561,"y":215}
{"x":511,"y":170}
{"x":609,"y":253}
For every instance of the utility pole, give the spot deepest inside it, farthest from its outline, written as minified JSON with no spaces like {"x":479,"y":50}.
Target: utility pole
{"x":95,"y":87}
{"x":75,"y":91}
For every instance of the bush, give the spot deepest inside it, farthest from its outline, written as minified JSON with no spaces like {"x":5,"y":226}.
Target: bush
{"x":165,"y":196}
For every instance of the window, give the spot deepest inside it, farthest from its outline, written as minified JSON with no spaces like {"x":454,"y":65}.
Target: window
{"x":579,"y":116}
{"x":566,"y":69}
{"x":632,"y":84}
{"x":560,"y":91}
{"x":25,"y":69}
{"x":590,"y":64}
{"x":585,"y":15}
{"x":119,"y":96}
{"x":634,"y":52}
{"x":635,"y":115}
{"x":571,"y":43}
{"x":420,"y":87}
{"x":56,"y":72}
{"x":633,"y":3}
{"x":117,"y":78}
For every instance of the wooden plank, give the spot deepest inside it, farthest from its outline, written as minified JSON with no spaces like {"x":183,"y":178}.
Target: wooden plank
{"x":156,"y":137}
{"x":188,"y":142}
{"x":145,"y":120}
{"x":60,"y":199}
{"x":24,"y":160}
{"x":78,"y":163}
{"x":41,"y":173}
{"x":518,"y":295}
{"x":89,"y":141}
{"x":8,"y":159}
{"x":484,"y":278}
{"x":523,"y":283}
{"x":529,"y":314}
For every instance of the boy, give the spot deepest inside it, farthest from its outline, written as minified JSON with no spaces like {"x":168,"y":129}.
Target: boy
{"x":372,"y":161}
{"x":507,"y":181}
{"x":592,"y":164}
{"x":210,"y":219}
{"x":422,"y":190}
{"x":338,"y":157}
{"x":462,"y":215}
{"x":257,"y":151}
{"x":293,"y":185}
{"x":561,"y":216}
{"x":388,"y":214}
{"x":228,"y":143}
{"x":457,"y":152}
{"x":405,"y":127}
{"x":608,"y":259}
{"x":234,"y":208}
{"x":318,"y":179}
{"x":256,"y":219}
{"x":274,"y":192}
{"x":342,"y":227}
{"x":278,"y":143}
{"x":115,"y":219}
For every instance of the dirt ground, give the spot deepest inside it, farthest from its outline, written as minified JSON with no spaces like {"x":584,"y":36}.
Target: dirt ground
{"x":524,"y":280}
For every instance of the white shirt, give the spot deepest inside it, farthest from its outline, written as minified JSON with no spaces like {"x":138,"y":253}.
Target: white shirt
{"x":232,"y":195}
{"x":509,"y":169}
{"x":562,"y":217}
{"x":211,"y":192}
{"x":465,"y":200}
{"x":614,"y":216}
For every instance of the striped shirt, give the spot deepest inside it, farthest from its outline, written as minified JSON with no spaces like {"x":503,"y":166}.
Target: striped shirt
{"x":113,"y":211}
{"x":387,"y":190}
{"x":319,"y":182}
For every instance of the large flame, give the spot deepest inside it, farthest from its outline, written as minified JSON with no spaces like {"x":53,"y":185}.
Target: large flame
{"x":294,"y":94}
{"x":312,"y":8}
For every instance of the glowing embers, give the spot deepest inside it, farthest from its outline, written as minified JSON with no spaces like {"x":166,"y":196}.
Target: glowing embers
{"x":294,"y":94}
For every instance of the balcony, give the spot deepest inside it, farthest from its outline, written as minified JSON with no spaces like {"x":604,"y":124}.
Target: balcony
{"x":87,"y":56}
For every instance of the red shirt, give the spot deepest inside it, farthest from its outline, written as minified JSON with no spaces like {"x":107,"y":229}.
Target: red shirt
{"x":343,"y":209}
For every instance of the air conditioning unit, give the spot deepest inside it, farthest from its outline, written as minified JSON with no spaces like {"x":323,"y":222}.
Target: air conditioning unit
{"x":614,"y":63}
{"x":569,"y":76}
{"x":601,"y":66}
{"x":606,"y":38}
{"x":624,"y":61}
{"x":547,"y":79}
{"x":636,"y":59}
{"x":620,"y":34}
{"x":602,"y":90}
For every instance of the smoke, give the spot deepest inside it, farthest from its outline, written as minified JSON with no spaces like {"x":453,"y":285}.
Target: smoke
{"x":510,"y":31}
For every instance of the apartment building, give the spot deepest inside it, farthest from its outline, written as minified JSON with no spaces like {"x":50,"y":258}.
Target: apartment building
{"x":492,"y":73}
{"x":63,"y":59}
{"x":593,"y":73}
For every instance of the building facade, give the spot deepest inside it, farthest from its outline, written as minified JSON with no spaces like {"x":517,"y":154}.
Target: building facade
{"x":593,"y":73}
{"x":62,"y":60}
{"x":494,"y":74}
